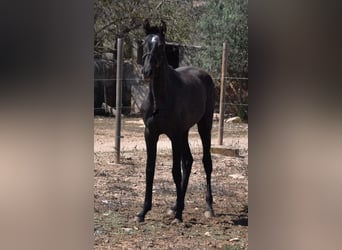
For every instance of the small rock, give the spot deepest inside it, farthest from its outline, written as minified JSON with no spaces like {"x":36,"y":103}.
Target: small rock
{"x":127,"y":230}
{"x":235,"y":119}
{"x":207,"y":234}
{"x":236,"y":176}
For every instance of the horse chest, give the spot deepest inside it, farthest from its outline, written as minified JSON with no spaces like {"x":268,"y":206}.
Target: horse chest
{"x":164,"y":123}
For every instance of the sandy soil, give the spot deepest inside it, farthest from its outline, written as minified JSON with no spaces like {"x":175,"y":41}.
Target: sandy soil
{"x":119,"y":192}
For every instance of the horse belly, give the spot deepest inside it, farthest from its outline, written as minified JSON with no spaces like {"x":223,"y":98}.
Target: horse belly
{"x":192,"y":110}
{"x":193,"y":114}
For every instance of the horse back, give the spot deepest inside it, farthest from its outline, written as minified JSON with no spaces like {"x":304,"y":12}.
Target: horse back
{"x":196,"y":78}
{"x":195,"y":75}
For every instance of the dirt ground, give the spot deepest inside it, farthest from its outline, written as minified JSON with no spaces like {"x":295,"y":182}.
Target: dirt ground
{"x":119,"y":192}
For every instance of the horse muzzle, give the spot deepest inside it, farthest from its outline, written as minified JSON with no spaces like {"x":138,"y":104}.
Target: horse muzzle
{"x":147,"y":73}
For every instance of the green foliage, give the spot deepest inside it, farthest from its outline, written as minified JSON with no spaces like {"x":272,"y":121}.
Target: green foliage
{"x":206,"y":23}
{"x":119,"y":18}
{"x":224,"y":21}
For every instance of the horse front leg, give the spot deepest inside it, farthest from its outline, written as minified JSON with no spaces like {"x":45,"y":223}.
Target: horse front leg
{"x":177,"y":178}
{"x":187,"y":161}
{"x":151,"y":149}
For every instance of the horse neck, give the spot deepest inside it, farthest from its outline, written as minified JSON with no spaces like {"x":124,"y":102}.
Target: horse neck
{"x":158,"y":87}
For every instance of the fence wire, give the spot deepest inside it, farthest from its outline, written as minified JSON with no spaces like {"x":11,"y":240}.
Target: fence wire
{"x":105,"y":83}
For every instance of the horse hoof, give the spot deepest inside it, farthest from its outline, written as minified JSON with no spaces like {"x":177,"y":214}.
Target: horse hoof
{"x":209,"y":214}
{"x":176,"y":221}
{"x":171,"y":212}
{"x":139,"y":219}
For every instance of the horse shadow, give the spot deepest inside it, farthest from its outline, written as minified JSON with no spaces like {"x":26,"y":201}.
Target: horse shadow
{"x":240,"y":219}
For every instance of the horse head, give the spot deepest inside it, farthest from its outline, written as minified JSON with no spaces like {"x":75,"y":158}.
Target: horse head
{"x":154,"y":54}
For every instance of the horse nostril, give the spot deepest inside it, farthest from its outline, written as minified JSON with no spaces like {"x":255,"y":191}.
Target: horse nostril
{"x":147,"y":73}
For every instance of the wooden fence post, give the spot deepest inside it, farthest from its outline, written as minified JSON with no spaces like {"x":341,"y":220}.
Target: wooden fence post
{"x":222,"y":94}
{"x":119,"y":74}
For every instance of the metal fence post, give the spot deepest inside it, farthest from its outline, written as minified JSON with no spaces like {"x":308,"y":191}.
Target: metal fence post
{"x":222,"y":94}
{"x":119,"y":74}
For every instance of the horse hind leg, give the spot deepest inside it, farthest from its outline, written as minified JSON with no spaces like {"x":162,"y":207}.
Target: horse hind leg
{"x":177,"y":176}
{"x":204,"y":129}
{"x":187,"y":161}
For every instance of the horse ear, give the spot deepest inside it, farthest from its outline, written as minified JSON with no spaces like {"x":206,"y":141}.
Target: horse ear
{"x":163,"y":27}
{"x":146,"y":26}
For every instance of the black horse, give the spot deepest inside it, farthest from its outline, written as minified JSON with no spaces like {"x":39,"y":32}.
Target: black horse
{"x":177,"y":100}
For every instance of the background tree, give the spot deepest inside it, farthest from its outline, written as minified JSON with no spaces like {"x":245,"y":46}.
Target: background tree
{"x":119,"y":18}
{"x":205,"y":23}
{"x":223,"y":21}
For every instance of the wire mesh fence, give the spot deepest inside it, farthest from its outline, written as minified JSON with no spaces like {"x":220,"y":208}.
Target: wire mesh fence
{"x":135,"y":90}
{"x":236,"y":96}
